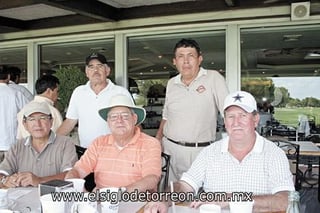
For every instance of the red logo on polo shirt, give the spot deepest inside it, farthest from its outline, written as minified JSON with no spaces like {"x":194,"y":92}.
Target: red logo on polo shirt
{"x":201,"y":89}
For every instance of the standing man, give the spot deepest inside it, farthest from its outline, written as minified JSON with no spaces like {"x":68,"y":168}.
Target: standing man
{"x":47,"y":92}
{"x":14,"y":81}
{"x":87,"y":99}
{"x":193,"y":99}
{"x":11,"y":101}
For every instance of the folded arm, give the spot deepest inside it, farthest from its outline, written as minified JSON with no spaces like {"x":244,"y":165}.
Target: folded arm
{"x":22,"y":179}
{"x":150,"y":183}
{"x":73,"y":173}
{"x":271,"y":203}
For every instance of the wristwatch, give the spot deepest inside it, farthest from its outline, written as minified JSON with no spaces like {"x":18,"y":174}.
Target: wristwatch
{"x":3,"y":179}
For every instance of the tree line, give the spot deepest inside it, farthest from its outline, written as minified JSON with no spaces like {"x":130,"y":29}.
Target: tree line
{"x":263,"y":89}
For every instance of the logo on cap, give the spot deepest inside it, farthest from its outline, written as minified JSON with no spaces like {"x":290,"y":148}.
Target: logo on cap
{"x":237,"y":98}
{"x":97,"y":56}
{"x":94,"y":55}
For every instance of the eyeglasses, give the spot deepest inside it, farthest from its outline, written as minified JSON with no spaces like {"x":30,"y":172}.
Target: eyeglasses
{"x":116,"y":116}
{"x":94,"y":67}
{"x":40,"y":118}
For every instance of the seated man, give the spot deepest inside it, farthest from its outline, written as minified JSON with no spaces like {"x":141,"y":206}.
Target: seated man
{"x":42,"y":156}
{"x":243,"y":162}
{"x":47,"y":91}
{"x":126,"y":157}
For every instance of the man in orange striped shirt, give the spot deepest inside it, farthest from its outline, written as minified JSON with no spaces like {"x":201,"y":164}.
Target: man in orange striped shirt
{"x":125,"y":158}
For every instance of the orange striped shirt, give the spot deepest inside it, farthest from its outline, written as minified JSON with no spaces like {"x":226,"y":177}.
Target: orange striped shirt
{"x":121,"y":167}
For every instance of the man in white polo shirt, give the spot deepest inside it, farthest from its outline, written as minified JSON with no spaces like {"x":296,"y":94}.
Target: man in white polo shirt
{"x":87,"y":99}
{"x":243,"y":162}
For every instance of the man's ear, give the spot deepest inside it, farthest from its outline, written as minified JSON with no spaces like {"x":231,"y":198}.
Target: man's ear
{"x":48,"y":91}
{"x":200,"y":59}
{"x":174,"y":61}
{"x":256,"y":118}
{"x":135,"y":117}
{"x":24,"y":123}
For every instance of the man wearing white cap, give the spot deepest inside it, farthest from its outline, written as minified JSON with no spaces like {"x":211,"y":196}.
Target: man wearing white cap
{"x":42,"y":156}
{"x":47,"y":87}
{"x":242,"y":162}
{"x":125,"y":158}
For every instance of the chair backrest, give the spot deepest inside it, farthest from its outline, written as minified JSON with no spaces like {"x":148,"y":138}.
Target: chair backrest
{"x":293,"y":154}
{"x":80,"y":151}
{"x":165,"y":171}
{"x":89,"y":179}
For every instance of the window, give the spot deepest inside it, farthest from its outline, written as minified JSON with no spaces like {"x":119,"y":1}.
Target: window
{"x":70,"y":57}
{"x":16,"y":57}
{"x":150,"y":67}
{"x":53,"y":56}
{"x":280,"y":67}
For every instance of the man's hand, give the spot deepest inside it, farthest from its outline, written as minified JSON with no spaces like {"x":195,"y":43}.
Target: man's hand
{"x":197,"y":204}
{"x":27,"y":179}
{"x":73,"y":173}
{"x":11,"y":181}
{"x":156,"y":207}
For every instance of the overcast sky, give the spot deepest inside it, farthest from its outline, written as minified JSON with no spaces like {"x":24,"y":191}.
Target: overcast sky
{"x":301,"y":87}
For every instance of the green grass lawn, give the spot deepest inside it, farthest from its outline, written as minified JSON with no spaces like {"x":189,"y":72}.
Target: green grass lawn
{"x":289,"y":116}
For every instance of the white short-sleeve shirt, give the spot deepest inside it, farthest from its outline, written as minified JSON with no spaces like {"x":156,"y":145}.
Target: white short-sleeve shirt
{"x":84,"y":106}
{"x":265,"y":170}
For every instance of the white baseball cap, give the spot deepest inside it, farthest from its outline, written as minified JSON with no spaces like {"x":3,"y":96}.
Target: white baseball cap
{"x":34,"y":106}
{"x":241,"y":99}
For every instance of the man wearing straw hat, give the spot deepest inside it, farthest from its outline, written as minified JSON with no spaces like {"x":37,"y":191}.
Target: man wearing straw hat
{"x":126,"y":157}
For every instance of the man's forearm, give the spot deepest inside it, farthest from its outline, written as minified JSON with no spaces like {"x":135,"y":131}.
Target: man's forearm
{"x":149,"y":183}
{"x":60,"y":176}
{"x":73,"y":173}
{"x":271,"y":203}
{"x":159,"y":134}
{"x":66,"y":127}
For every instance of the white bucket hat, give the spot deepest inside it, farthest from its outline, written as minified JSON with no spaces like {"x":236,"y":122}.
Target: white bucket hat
{"x":122,"y":100}
{"x":241,"y":99}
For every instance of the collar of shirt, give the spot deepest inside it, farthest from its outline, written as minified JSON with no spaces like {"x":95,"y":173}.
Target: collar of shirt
{"x":109,"y":85}
{"x":202,"y":71}
{"x":40,"y":98}
{"x":257,"y":148}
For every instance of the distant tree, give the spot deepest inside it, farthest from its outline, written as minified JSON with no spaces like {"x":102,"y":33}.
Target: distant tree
{"x":294,"y":102}
{"x":260,"y":88}
{"x":70,"y":77}
{"x":285,"y":97}
{"x":310,"y":102}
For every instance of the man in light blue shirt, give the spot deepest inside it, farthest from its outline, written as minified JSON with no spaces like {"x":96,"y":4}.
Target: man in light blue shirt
{"x":11,"y":102}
